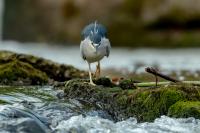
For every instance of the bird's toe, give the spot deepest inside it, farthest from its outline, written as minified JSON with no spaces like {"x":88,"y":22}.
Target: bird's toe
{"x":93,"y":84}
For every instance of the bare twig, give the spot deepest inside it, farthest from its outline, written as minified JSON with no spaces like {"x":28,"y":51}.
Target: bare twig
{"x":156,"y":80}
{"x":156,"y":73}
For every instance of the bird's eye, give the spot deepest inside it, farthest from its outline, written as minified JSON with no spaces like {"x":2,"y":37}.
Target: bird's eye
{"x":92,"y":43}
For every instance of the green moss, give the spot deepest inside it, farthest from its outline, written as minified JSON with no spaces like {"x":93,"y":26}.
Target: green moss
{"x":185,"y":109}
{"x":19,"y":71}
{"x":29,"y":69}
{"x":149,"y":104}
{"x":145,"y":104}
{"x":2,"y":102}
{"x":30,"y":91}
{"x":55,"y":71}
{"x":104,"y":81}
{"x":127,"y":84}
{"x":122,"y":100}
{"x":5,"y":54}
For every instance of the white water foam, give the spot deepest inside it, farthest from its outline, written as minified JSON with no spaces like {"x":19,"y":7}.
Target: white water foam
{"x":80,"y":124}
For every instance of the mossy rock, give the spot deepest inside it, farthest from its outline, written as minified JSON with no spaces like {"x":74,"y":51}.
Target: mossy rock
{"x":2,"y":102}
{"x":185,"y":109}
{"x":80,"y":88}
{"x":57,"y":72}
{"x":150,"y":104}
{"x":21,"y":67}
{"x":17,"y":71}
{"x":30,"y":91}
{"x":104,"y":81}
{"x":142,"y":103}
{"x":127,"y":84}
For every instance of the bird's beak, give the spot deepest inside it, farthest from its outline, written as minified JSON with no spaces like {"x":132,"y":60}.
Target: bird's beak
{"x":96,"y":47}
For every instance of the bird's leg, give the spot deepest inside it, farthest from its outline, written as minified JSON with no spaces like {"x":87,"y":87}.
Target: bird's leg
{"x":90,"y":74}
{"x":98,"y":70}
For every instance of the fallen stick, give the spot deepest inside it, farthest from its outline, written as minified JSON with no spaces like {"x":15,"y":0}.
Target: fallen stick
{"x":156,"y":73}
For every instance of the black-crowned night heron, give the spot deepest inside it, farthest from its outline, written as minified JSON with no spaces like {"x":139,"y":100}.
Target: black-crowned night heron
{"x":94,"y":46}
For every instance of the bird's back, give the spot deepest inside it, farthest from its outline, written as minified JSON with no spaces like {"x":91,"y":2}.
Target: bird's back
{"x":94,"y":31}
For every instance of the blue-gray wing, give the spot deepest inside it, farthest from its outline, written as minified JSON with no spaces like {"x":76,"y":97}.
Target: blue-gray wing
{"x":107,"y":51}
{"x":82,"y":51}
{"x":106,"y":44}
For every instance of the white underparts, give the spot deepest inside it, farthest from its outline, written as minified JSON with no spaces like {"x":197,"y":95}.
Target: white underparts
{"x":91,"y":53}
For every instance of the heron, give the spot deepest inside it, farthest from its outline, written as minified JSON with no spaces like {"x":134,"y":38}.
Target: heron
{"x":94,"y":46}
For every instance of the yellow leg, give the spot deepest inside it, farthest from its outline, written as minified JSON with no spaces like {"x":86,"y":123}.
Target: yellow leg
{"x":98,"y":70}
{"x":90,"y":75}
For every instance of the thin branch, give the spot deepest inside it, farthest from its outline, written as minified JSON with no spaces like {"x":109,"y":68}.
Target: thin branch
{"x":156,"y":73}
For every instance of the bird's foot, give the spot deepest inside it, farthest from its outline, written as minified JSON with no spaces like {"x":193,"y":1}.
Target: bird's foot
{"x":92,"y":83}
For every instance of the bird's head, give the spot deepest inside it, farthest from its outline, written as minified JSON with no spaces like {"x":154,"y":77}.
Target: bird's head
{"x":94,"y":32}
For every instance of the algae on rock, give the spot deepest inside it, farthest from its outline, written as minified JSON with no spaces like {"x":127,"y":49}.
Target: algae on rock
{"x":58,"y":72}
{"x":17,"y":71}
{"x":30,"y":70}
{"x":185,"y":109}
{"x":145,"y":104}
{"x":148,"y":104}
{"x":20,"y":93}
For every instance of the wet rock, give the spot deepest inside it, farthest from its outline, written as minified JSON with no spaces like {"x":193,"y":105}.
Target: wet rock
{"x":104,"y":81}
{"x":21,"y":69}
{"x":127,"y":84}
{"x":58,"y":72}
{"x":17,"y":72}
{"x":185,"y":109}
{"x":25,"y":125}
{"x":99,"y":113}
{"x":143,"y":103}
{"x":14,"y":119}
{"x":24,"y":94}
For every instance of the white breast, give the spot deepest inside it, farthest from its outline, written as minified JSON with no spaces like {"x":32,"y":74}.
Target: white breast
{"x":89,"y":51}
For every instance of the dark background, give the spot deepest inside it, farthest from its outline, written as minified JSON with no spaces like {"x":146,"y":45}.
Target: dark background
{"x":132,"y":23}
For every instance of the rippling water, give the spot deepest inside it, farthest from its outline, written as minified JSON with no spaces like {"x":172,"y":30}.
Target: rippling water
{"x":98,"y":125}
{"x":167,"y":59}
{"x":45,"y":112}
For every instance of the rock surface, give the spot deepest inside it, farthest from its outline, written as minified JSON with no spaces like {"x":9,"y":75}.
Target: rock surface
{"x":185,"y":109}
{"x":21,"y":120}
{"x":30,"y":70}
{"x":145,"y":104}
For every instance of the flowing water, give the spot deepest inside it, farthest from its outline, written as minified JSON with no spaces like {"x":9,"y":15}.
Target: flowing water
{"x":43,"y":110}
{"x":166,"y":59}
